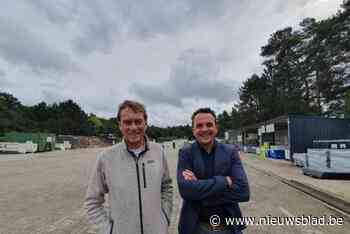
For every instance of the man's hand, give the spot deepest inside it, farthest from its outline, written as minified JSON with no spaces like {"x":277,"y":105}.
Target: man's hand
{"x":189,"y":175}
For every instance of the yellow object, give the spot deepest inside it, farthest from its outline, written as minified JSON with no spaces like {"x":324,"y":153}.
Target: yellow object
{"x":263,"y":150}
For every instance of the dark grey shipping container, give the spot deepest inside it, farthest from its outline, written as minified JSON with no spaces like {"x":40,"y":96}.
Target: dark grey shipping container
{"x":303,"y":130}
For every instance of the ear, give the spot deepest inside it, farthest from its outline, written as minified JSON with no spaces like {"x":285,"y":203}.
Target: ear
{"x":217,"y":128}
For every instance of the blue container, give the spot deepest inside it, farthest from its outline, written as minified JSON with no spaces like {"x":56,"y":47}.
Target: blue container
{"x":276,"y":154}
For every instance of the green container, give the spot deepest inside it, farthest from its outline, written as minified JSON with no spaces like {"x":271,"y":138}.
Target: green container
{"x":45,"y":141}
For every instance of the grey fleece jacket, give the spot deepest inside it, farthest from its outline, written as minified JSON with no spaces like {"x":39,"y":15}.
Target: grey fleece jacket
{"x":140,"y":191}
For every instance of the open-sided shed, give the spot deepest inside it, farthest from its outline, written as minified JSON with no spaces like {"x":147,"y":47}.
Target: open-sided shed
{"x":296,"y":133}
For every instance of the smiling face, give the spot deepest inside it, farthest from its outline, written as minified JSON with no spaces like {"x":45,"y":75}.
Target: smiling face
{"x":133,"y":127}
{"x":205,"y":129}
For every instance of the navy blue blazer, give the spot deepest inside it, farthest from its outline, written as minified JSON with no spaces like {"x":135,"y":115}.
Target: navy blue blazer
{"x":213,"y":191}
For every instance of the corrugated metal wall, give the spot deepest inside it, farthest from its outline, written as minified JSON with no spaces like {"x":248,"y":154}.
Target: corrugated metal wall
{"x":304,"y":129}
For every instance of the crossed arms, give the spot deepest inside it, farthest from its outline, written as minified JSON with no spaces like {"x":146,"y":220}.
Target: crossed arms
{"x":218,"y":190}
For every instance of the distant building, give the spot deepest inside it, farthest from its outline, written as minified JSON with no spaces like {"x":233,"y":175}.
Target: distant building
{"x":294,"y":133}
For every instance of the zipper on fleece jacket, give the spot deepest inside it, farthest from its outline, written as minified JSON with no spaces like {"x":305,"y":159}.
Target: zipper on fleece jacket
{"x":139,"y":188}
{"x":112,"y":226}
{"x":144,"y":175}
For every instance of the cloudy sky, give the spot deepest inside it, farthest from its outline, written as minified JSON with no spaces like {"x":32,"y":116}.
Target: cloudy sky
{"x":174,"y":56}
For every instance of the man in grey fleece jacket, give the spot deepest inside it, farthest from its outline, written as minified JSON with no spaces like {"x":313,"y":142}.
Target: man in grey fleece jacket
{"x":135,"y":175}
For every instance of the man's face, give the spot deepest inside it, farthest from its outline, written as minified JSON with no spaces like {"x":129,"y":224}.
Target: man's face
{"x":133,"y":127}
{"x":204,"y":128}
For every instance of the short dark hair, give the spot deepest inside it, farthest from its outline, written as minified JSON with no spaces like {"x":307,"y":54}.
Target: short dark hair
{"x":133,"y":105}
{"x":205,"y":110}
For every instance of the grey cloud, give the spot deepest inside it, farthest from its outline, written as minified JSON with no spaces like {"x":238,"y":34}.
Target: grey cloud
{"x":301,"y":3}
{"x":281,"y":6}
{"x":106,"y":102}
{"x":4,"y":82}
{"x":58,"y":12}
{"x":20,"y":46}
{"x":96,"y":22}
{"x":103,"y":104}
{"x":236,"y":29}
{"x":50,"y":96}
{"x":102,"y":24}
{"x":50,"y":84}
{"x":157,"y":94}
{"x":149,"y":18}
{"x":194,"y":76}
{"x":141,"y":21}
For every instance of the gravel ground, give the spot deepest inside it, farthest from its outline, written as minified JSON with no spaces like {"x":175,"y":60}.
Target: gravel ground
{"x":43,"y":193}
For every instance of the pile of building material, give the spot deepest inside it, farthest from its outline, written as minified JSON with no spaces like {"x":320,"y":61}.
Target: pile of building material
{"x":11,"y":147}
{"x":110,"y":138}
{"x":299,"y":159}
{"x":63,"y":146}
{"x":73,"y":140}
{"x":327,"y":163}
{"x":91,"y":142}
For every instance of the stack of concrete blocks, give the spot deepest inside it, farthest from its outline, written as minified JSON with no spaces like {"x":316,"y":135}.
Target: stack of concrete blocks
{"x":63,"y":146}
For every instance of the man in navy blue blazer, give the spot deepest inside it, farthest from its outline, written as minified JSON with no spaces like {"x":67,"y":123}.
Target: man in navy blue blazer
{"x":211,"y":180}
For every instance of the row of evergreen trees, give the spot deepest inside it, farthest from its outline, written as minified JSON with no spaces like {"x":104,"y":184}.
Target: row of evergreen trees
{"x":61,"y":118}
{"x":68,"y":118}
{"x":305,"y":71}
